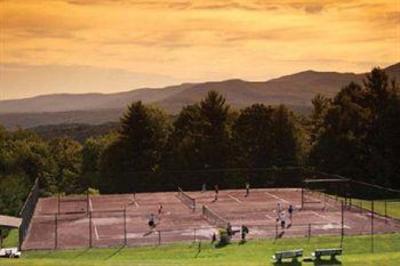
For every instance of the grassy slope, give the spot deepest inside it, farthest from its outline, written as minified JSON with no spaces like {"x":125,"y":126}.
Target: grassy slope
{"x":392,"y":208}
{"x":12,"y":239}
{"x":356,"y":250}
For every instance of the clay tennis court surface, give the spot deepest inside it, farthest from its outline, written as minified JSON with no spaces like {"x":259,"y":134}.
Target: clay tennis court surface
{"x":115,"y":220}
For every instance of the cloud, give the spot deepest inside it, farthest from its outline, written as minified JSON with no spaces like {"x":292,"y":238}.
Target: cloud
{"x":393,"y":17}
{"x":28,"y":23}
{"x":191,"y":39}
{"x":277,"y":34}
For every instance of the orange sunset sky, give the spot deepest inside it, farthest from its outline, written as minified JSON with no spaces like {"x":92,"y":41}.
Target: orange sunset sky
{"x":76,"y":46}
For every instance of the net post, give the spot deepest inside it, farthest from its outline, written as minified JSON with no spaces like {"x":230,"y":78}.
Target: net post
{"x":125,"y":231}
{"x":56,"y":231}
{"x":372,"y":226}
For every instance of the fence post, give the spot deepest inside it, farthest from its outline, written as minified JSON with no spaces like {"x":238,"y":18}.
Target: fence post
{"x":372,"y":226}
{"x":90,"y":230}
{"x":386,"y":216}
{"x":87,"y":201}
{"x":58,"y":203}
{"x":159,"y":237}
{"x":276,"y":231}
{"x":302,"y":198}
{"x":342,"y":229}
{"x":309,"y":232}
{"x":1,"y":239}
{"x":194,"y":234}
{"x":55,"y":231}
{"x":125,"y":233}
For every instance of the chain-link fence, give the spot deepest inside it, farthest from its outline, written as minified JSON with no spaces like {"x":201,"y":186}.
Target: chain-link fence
{"x":27,"y":211}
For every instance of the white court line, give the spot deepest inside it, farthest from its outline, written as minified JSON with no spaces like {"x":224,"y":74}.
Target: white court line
{"x":93,"y":222}
{"x":276,"y":197}
{"x":135,"y":201}
{"x":95,"y":230}
{"x":90,"y":205}
{"x":234,"y":198}
{"x":362,"y":216}
{"x":269,"y":217}
{"x":319,"y":215}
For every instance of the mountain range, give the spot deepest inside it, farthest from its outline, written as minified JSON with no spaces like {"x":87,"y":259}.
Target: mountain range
{"x":295,"y":91}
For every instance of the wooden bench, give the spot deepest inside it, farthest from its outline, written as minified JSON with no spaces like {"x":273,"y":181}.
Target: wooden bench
{"x":287,"y":254}
{"x":318,"y":253}
{"x":10,"y":253}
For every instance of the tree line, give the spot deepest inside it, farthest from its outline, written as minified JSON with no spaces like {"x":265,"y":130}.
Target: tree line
{"x":355,"y":134}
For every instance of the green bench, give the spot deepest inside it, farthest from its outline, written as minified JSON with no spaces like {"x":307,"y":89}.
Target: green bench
{"x":318,"y":253}
{"x":287,"y":254}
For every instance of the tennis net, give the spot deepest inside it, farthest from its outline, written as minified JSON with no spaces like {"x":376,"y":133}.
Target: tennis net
{"x":186,"y":199}
{"x":212,"y":217}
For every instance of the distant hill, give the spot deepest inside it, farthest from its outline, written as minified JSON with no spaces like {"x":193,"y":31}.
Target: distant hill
{"x":294,"y":90}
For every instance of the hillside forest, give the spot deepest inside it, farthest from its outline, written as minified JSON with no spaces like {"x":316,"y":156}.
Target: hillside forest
{"x":354,"y":134}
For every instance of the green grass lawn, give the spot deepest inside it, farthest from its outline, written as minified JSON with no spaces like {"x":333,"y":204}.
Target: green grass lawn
{"x":357,"y":251}
{"x":12,"y":239}
{"x":392,"y":207}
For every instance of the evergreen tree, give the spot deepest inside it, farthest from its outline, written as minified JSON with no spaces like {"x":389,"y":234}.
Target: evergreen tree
{"x":138,"y":149}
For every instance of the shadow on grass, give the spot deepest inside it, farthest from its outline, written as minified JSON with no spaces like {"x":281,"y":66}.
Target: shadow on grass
{"x":83,"y":252}
{"x":115,"y":253}
{"x":288,"y":263}
{"x":221,"y":244}
{"x":331,"y":262}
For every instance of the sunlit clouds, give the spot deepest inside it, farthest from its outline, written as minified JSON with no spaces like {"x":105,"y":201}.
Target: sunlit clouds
{"x":177,"y":41}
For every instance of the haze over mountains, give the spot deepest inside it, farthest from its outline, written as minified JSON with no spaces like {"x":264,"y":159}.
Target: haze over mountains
{"x":294,"y":90}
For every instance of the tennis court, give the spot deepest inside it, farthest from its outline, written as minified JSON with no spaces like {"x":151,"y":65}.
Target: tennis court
{"x":116,"y":220}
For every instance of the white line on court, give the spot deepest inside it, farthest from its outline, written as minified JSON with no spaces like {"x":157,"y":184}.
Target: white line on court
{"x":95,"y":230}
{"x":90,"y":205}
{"x":362,"y":216}
{"x":319,"y":215}
{"x":269,"y":217}
{"x":234,"y":198}
{"x":276,"y":197}
{"x":134,"y":200}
